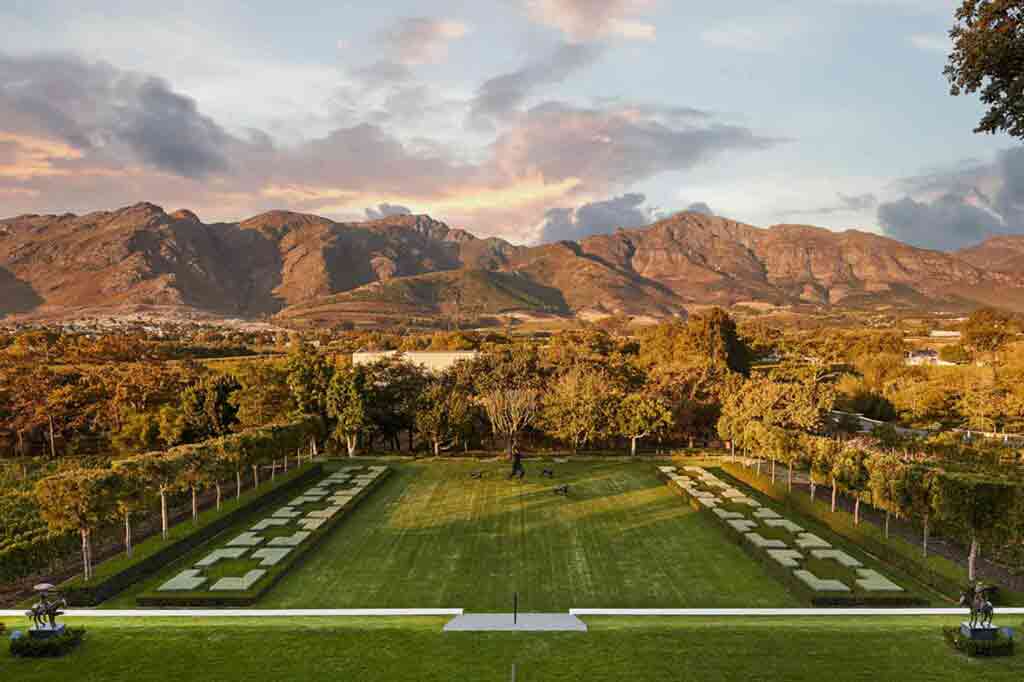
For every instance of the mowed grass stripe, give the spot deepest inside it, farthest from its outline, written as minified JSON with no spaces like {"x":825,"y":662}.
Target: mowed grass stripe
{"x":434,"y":537}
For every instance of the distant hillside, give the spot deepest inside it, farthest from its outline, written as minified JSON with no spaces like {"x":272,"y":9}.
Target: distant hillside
{"x":305,"y":267}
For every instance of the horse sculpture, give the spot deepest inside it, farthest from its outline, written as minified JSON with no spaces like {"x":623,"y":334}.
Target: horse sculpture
{"x":45,"y":610}
{"x":976,"y":598}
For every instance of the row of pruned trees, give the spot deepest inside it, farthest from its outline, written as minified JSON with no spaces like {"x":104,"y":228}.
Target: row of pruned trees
{"x":974,"y":503}
{"x":82,"y":500}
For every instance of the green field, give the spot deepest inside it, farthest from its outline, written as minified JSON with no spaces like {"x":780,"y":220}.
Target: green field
{"x":643,"y":649}
{"x":431,"y":536}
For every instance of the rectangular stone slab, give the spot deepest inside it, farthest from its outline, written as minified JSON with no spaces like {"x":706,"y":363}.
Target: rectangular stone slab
{"x":323,"y":513}
{"x":311,"y":524}
{"x":743,"y":526}
{"x":728,"y":515}
{"x":271,"y":556}
{"x":286,"y":513}
{"x":218,"y":554}
{"x":245,"y":540}
{"x":272,"y":522}
{"x":838,"y":556}
{"x":784,"y":524}
{"x":790,"y":558}
{"x":243,"y":583}
{"x":759,"y":540}
{"x":289,"y":540}
{"x":817,"y":584}
{"x":810,"y":540}
{"x":873,"y":581}
{"x":186,"y":580}
{"x":766,"y":513}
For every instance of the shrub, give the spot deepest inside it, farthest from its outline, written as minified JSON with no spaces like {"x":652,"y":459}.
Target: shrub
{"x":1002,"y":645}
{"x":50,"y":647}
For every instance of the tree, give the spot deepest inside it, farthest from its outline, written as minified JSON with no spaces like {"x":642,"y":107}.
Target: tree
{"x":264,"y":394}
{"x":987,"y":330}
{"x":988,"y":54}
{"x":346,"y":404}
{"x":578,"y":407}
{"x":852,"y":475}
{"x":159,"y":470}
{"x":444,"y":414}
{"x":309,"y":377}
{"x":207,"y":408}
{"x":917,"y":497}
{"x":140,"y":432}
{"x":640,"y":415}
{"x":197,"y":471}
{"x":131,"y":497}
{"x":955,"y":353}
{"x":510,"y":410}
{"x":78,"y":500}
{"x":886,"y":474}
{"x":975,"y":503}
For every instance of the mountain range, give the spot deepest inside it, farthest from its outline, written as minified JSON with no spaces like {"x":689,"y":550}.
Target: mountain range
{"x":306,"y":268}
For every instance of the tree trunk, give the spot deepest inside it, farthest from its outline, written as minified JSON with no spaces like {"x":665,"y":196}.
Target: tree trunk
{"x":437,"y":448}
{"x":924,"y":542}
{"x":887,"y":524}
{"x":758,"y":466}
{"x":510,"y":444}
{"x":632,"y":446}
{"x":238,"y":484}
{"x":773,"y":472}
{"x":195,"y":505}
{"x":53,"y":445}
{"x":972,"y":558}
{"x":86,"y":565}
{"x":834,"y":492}
{"x":217,"y":486}
{"x":814,"y":489}
{"x":856,"y":510}
{"x":255,"y":475}
{"x":128,"y":534}
{"x":350,"y":444}
{"x":789,"y":482}
{"x":163,"y":513}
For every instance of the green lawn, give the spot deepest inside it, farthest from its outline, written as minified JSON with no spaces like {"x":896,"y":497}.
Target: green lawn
{"x":250,"y":650}
{"x":433,"y":537}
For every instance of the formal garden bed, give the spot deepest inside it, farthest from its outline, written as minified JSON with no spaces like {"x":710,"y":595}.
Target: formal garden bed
{"x":242,"y":568}
{"x":807,"y":561}
{"x":116,"y":575}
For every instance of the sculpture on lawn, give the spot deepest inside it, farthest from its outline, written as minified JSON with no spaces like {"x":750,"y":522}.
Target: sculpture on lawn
{"x":46,"y":609}
{"x":977,"y":599}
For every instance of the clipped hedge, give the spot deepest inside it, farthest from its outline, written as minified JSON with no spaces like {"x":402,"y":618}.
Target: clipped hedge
{"x":118,"y":574}
{"x":50,"y":647}
{"x":274,"y":573}
{"x":790,"y":581}
{"x":936,"y":572}
{"x":1002,"y":645}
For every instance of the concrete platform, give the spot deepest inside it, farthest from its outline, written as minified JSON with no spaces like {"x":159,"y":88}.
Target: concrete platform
{"x":525,"y":622}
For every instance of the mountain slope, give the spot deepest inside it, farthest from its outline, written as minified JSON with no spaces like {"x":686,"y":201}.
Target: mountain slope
{"x":298,"y":265}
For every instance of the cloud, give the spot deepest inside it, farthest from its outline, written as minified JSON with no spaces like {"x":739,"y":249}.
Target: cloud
{"x":931,"y":42}
{"x":754,"y":35}
{"x":96,"y":107}
{"x":422,"y":40}
{"x":613,"y":146}
{"x":963,"y":206}
{"x":598,"y":217}
{"x":384,"y":210}
{"x":846,"y":203}
{"x":502,"y":95}
{"x":699,"y":207}
{"x":588,"y":20}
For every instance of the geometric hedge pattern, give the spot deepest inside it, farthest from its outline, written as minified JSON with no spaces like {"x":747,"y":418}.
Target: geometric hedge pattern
{"x":812,"y":560}
{"x":243,"y":560}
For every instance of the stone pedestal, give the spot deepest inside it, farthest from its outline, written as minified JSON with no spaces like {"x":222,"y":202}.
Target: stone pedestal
{"x":979,"y":633}
{"x":45,"y":632}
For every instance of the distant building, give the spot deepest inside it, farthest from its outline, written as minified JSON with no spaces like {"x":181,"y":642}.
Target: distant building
{"x":927,"y":356}
{"x":944,"y":334}
{"x":433,"y":361}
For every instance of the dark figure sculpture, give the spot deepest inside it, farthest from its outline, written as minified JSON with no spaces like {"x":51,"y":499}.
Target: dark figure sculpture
{"x":562,"y":490}
{"x":477,"y":475}
{"x":517,"y":464}
{"x":548,"y":473}
{"x":976,"y":598}
{"x":46,"y":609}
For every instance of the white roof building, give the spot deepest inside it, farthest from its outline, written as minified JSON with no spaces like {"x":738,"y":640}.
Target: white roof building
{"x":433,"y":361}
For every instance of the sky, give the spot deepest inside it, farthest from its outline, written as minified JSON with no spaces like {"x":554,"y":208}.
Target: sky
{"x":531,"y":120}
